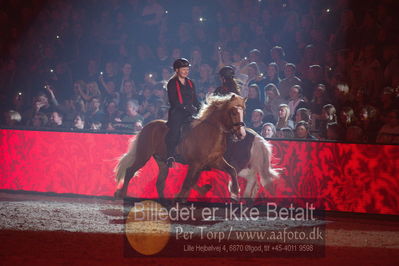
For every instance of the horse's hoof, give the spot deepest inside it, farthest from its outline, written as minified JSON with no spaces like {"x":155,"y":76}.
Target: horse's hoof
{"x":204,"y":189}
{"x":234,"y":196}
{"x":118,"y":194}
{"x":233,"y":189}
{"x":182,"y":197}
{"x":250,"y":201}
{"x":179,"y":200}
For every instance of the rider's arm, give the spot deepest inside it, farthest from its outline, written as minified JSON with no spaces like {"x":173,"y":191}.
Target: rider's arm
{"x":172,"y":95}
{"x":196,"y":103}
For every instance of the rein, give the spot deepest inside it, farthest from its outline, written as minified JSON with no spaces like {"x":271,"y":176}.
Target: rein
{"x":215,"y":126}
{"x":238,"y":124}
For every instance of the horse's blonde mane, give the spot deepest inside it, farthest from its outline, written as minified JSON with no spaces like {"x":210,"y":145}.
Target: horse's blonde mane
{"x":215,"y":102}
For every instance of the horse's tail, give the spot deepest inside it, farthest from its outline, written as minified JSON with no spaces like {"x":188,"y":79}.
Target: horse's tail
{"x":126,"y":160}
{"x":149,"y":141}
{"x":262,"y":160}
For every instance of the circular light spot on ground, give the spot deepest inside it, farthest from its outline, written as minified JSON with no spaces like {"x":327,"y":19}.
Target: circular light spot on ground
{"x":148,"y":227}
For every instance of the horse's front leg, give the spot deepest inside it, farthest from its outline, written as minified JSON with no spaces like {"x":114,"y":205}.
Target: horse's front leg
{"x":190,"y":181}
{"x":163,"y":173}
{"x":224,"y":166}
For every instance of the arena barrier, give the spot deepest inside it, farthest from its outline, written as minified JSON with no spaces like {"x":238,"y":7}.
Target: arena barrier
{"x":345,"y":177}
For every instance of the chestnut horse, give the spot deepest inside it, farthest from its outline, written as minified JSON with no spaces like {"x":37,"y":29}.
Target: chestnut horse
{"x":202,"y":146}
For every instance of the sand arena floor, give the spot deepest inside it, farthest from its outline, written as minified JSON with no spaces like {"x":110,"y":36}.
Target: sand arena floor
{"x":47,"y":230}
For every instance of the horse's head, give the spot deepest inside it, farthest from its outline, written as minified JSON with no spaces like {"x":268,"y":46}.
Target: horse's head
{"x":236,"y":125}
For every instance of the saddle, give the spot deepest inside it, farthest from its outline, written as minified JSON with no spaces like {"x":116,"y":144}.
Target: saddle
{"x":184,"y":129}
{"x":238,"y":152}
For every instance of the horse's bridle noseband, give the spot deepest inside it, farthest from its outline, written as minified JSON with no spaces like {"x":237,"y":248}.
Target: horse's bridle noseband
{"x":234,"y":126}
{"x":239,"y":124}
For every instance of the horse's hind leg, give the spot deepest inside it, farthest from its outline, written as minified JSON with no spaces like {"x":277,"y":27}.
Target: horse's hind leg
{"x":163,"y":173}
{"x":252,"y":187}
{"x":122,"y":192}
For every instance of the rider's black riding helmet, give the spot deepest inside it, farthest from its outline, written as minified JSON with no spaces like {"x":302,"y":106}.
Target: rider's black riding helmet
{"x":226,"y":72}
{"x":181,"y":62}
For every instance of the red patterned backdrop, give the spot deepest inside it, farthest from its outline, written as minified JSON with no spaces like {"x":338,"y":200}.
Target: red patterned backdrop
{"x":346,"y":177}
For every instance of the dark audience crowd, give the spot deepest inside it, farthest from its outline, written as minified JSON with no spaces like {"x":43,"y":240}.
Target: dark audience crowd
{"x":311,"y":69}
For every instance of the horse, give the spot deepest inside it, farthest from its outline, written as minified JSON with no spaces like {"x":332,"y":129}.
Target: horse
{"x":252,"y":157}
{"x":221,"y":116}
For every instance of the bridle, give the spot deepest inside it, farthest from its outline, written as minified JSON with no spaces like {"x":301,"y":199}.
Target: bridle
{"x":236,"y":126}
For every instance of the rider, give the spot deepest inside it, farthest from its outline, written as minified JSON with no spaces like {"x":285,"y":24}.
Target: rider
{"x":236,"y":152}
{"x":183,"y":105}
{"x":228,"y":83}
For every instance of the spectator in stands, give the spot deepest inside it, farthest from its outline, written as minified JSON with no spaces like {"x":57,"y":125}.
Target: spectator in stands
{"x":12,"y":118}
{"x":342,"y":96}
{"x":137,"y":126}
{"x":56,"y":120}
{"x":359,"y":59}
{"x":290,"y":80}
{"x":196,"y":62}
{"x":79,"y":122}
{"x":368,"y":122}
{"x":256,"y":56}
{"x":110,"y":93}
{"x":166,"y":73}
{"x":89,"y":92}
{"x":257,"y":120}
{"x":372,"y":73}
{"x":254,"y":77}
{"x":303,"y":114}
{"x":92,"y":71}
{"x":347,"y":117}
{"x":94,"y":112}
{"x":387,"y":100}
{"x":285,"y":133}
{"x":389,"y":133}
{"x":39,"y":120}
{"x":296,"y":100}
{"x":205,"y":80}
{"x":96,"y":125}
{"x":319,"y":100}
{"x":112,"y":115}
{"x":308,"y":59}
{"x":111,"y":72}
{"x":347,"y":32}
{"x":329,"y":113}
{"x":283,"y":118}
{"x":253,"y":102}
{"x":131,"y":114}
{"x":268,"y":131}
{"x":152,"y":110}
{"x":40,"y":104}
{"x":150,"y":81}
{"x":355,"y":134}
{"x":272,"y":103}
{"x":129,"y":93}
{"x":272,"y":74}
{"x":333,"y":132}
{"x":302,"y":131}
{"x":127,"y":75}
{"x":162,"y":56}
{"x":328,"y":116}
{"x":160,"y":94}
{"x":277,"y":54}
{"x":313,"y":78}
